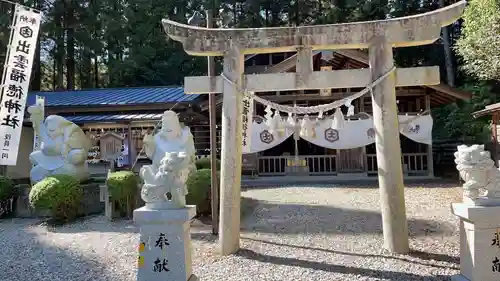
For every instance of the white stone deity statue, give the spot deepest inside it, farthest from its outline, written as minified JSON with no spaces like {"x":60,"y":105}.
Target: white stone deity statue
{"x":173,"y":154}
{"x":63,"y":147}
{"x":482,"y":178}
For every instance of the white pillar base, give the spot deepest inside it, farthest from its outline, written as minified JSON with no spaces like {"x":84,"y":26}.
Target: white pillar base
{"x":479,"y":252}
{"x":165,"y":244}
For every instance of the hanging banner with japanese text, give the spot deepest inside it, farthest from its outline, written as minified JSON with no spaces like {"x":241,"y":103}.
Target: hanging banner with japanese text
{"x":16,"y":80}
{"x":247,"y":122}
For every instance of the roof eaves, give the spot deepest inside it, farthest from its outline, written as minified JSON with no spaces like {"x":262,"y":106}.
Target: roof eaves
{"x":489,"y":109}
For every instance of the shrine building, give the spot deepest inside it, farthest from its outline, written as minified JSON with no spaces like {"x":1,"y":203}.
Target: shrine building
{"x":134,"y":112}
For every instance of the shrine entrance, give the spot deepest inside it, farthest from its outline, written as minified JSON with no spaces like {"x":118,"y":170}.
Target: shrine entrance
{"x":380,"y":81}
{"x":352,"y":160}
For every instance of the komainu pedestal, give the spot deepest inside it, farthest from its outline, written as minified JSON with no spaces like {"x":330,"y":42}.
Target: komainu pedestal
{"x":165,"y":244}
{"x":479,"y":242}
{"x":479,"y":215}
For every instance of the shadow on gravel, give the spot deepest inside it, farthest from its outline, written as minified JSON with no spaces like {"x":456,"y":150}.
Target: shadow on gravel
{"x":435,"y":257}
{"x":380,"y":274}
{"x":25,"y":257}
{"x":272,"y":217}
{"x":425,"y":256}
{"x":97,"y":223}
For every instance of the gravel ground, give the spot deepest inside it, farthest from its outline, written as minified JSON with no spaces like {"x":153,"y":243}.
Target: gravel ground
{"x":294,"y":233}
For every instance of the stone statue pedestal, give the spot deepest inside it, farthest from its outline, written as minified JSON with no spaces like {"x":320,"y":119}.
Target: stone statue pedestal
{"x":165,"y":244}
{"x":479,"y":242}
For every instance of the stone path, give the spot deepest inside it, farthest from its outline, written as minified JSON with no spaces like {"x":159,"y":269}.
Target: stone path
{"x":294,"y":233}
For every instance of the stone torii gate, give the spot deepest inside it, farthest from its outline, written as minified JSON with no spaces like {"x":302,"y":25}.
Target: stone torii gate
{"x":377,"y":36}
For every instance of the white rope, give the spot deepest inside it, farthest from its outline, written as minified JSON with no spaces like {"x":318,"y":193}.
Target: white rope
{"x":310,"y":109}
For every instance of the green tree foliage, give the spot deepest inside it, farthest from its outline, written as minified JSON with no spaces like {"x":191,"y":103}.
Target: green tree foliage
{"x":455,"y":121}
{"x":478,"y":45}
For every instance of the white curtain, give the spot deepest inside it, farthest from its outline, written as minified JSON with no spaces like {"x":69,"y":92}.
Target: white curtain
{"x":359,"y":133}
{"x":262,"y":139}
{"x":352,"y":134}
{"x":418,"y":130}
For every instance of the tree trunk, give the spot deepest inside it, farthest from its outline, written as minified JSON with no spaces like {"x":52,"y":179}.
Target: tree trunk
{"x":448,"y":55}
{"x":54,"y":73}
{"x":59,"y":55}
{"x":36,"y":82}
{"x":70,"y":45}
{"x":297,"y":13}
{"x":85,"y":68}
{"x":96,"y":72}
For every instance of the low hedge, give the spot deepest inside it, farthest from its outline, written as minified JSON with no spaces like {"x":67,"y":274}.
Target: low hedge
{"x":199,"y":191}
{"x":7,"y":189}
{"x":61,"y":194}
{"x":205,"y":163}
{"x":122,"y":187}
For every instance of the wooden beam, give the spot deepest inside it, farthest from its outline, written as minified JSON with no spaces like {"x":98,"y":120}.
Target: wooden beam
{"x":347,"y":78}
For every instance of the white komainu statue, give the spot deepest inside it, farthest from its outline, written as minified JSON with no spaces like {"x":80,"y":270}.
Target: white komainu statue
{"x":63,"y":147}
{"x":482,"y":178}
{"x":173,"y":154}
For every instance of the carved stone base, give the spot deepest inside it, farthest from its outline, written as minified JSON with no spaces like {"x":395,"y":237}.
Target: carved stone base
{"x":479,"y":242}
{"x":482,"y":201}
{"x":165,"y":244}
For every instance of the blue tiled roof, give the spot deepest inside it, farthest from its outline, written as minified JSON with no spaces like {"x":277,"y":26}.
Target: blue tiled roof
{"x":115,"y":96}
{"x":113,"y":117}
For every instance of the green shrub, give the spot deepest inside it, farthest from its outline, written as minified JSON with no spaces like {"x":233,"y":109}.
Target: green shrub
{"x":205,"y":163}
{"x":7,"y":188}
{"x":199,"y":184}
{"x":61,"y":194}
{"x":122,"y":187}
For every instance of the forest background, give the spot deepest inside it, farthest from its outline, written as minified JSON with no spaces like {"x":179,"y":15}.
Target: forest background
{"x":120,"y":43}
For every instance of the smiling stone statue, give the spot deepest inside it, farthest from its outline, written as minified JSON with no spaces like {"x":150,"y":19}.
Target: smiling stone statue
{"x":63,"y":148}
{"x":173,"y":154}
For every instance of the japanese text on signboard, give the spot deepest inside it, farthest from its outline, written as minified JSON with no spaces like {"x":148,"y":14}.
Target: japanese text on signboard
{"x":16,"y":80}
{"x":247,"y":123}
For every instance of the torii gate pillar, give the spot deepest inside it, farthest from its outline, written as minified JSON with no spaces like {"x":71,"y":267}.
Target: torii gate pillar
{"x":377,"y":36}
{"x":230,"y":173}
{"x":388,"y":147}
